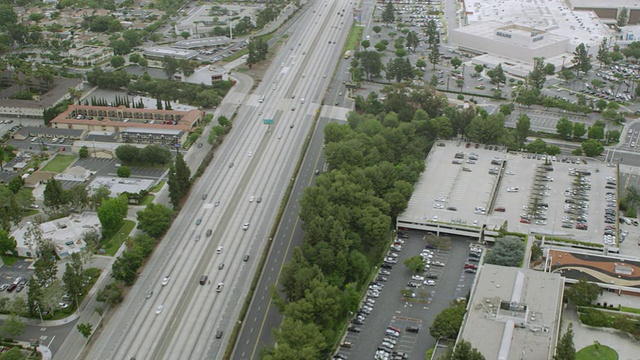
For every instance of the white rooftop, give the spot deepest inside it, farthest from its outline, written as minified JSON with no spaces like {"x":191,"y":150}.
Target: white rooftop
{"x":552,"y":15}
{"x":120,"y":185}
{"x":514,"y":313}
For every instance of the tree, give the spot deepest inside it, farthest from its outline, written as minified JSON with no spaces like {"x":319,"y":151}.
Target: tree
{"x":7,"y":242}
{"x":371,"y":63}
{"x":434,"y":56}
{"x":565,"y":349}
{"x":111,"y":294}
{"x":85,"y":329}
{"x":98,"y":196}
{"x":388,"y":14}
{"x":125,"y":267}
{"x":155,"y":220}
{"x":537,"y":76}
{"x":179,"y":180}
{"x":185,"y":34}
{"x":15,"y":184}
{"x":583,"y":293}
{"x":456,"y":63}
{"x":603,"y":53}
{"x":155,"y":155}
{"x":579,"y":129}
{"x":170,"y":66}
{"x":497,"y":76}
{"x":117,"y":61}
{"x":111,"y":214}
{"x":508,"y":251}
{"x":596,"y":132}
{"x":124,"y":171}
{"x":46,"y":266}
{"x":464,"y":351}
{"x":128,"y":153}
{"x":83,"y":152}
{"x":581,"y":59}
{"x":592,"y":148}
{"x":623,"y":17}
{"x":613,"y":136}
{"x":564,"y":127}
{"x":433,"y":34}
{"x":12,"y":326}
{"x":523,"y":125}
{"x":376,"y":29}
{"x":73,"y":277}
{"x":54,"y":194}
{"x":415,"y":263}
{"x":448,"y":322}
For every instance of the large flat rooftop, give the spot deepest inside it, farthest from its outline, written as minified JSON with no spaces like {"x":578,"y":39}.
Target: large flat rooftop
{"x":514,"y":313}
{"x":466,"y":187}
{"x":553,"y":15}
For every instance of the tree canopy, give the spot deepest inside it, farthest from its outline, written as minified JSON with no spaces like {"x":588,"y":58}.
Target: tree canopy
{"x":508,"y":251}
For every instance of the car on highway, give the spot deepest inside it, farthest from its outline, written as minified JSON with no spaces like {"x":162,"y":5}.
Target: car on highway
{"x":159,"y":309}
{"x":249,"y":154}
{"x":209,"y":232}
{"x":217,"y":203}
{"x":199,"y":221}
{"x":219,"y":334}
{"x":219,"y":250}
{"x":245,"y":258}
{"x":259,"y":200}
{"x":251,"y":198}
{"x":221,"y":266}
{"x":231,"y":164}
{"x":245,"y":226}
{"x":219,"y":287}
{"x":200,"y":145}
{"x":165,"y":281}
{"x":204,"y":196}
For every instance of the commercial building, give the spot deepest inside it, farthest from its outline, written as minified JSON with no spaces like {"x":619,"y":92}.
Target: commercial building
{"x":119,"y":185}
{"x":35,"y":108}
{"x":608,"y":11}
{"x":206,"y":42}
{"x":518,"y":42}
{"x":67,"y":234}
{"x":159,"y":52}
{"x":90,"y":55}
{"x":119,"y":119}
{"x":514,"y":313}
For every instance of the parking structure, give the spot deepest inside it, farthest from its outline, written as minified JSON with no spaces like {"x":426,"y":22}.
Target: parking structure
{"x":390,"y":302}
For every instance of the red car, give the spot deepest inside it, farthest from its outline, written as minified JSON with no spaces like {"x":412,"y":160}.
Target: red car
{"x":525,"y":221}
{"x":470,"y":266}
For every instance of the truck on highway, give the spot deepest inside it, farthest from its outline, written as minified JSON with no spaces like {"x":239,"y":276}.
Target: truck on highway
{"x":347,"y":54}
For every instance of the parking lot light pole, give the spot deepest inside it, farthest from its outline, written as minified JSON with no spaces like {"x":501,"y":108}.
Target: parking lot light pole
{"x":40,"y":312}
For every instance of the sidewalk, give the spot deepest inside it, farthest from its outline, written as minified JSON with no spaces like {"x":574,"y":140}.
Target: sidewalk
{"x":584,"y":336}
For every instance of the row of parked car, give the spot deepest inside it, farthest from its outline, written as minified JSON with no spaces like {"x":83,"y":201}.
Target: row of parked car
{"x":386,"y":349}
{"x":18,"y":285}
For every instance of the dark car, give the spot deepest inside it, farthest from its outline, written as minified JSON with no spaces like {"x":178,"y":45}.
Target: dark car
{"x":354,"y":329}
{"x":219,"y":334}
{"x":12,"y":287}
{"x":386,"y":266}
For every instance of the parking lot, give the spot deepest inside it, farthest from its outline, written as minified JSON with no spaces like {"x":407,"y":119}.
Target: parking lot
{"x":107,"y":167}
{"x":398,"y":305}
{"x":543,"y":120}
{"x":9,"y":275}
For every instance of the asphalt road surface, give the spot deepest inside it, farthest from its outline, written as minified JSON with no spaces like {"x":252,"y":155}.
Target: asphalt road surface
{"x":255,"y":160}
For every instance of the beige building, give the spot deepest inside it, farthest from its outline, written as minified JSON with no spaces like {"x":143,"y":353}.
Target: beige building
{"x":510,"y":41}
{"x":514,"y":313}
{"x":118,"y":119}
{"x":90,"y":55}
{"x":35,"y":108}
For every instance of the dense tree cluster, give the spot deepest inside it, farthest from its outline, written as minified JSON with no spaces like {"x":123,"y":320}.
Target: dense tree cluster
{"x":14,"y":201}
{"x":155,"y":220}
{"x":179,"y":181}
{"x":374,"y":162}
{"x":463,"y":351}
{"x":112,"y":213}
{"x":508,"y":251}
{"x":583,"y":293}
{"x":125,"y":267}
{"x":187,"y":93}
{"x":448,"y":322}
{"x":258,"y":49}
{"x":149,"y":155}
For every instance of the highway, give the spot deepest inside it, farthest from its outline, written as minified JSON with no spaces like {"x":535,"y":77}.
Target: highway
{"x":255,"y":160}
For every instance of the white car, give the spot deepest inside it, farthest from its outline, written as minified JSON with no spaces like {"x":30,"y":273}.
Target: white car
{"x":159,"y":309}
{"x":251,"y":198}
{"x":512,"y":189}
{"x":430,"y":282}
{"x":249,"y":154}
{"x":245,"y":226}
{"x":219,"y":287}
{"x":417,"y":277}
{"x":165,"y":281}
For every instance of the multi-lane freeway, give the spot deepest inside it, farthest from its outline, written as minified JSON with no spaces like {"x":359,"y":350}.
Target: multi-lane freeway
{"x":255,"y":161}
